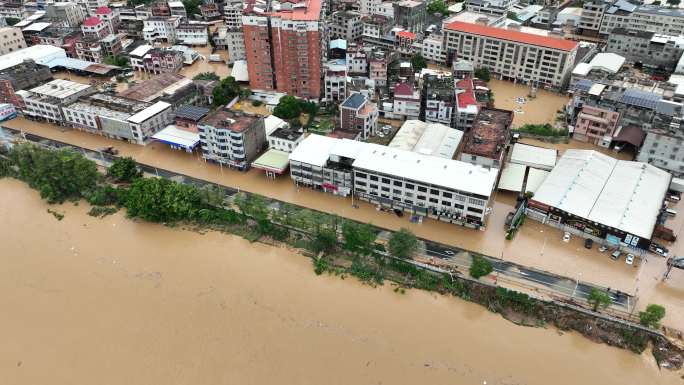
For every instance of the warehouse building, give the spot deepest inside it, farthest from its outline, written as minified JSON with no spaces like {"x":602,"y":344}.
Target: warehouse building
{"x":427,"y":138}
{"x":444,"y":189}
{"x":592,"y":195}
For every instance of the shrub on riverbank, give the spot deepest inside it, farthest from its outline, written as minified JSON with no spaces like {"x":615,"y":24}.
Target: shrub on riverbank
{"x":542,"y":130}
{"x":58,"y":175}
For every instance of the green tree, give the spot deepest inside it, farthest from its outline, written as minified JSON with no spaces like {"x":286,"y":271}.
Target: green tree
{"x":418,"y":62}
{"x":483,"y":74}
{"x":12,"y":21}
{"x":403,"y":244}
{"x":598,"y":298}
{"x":358,"y":238}
{"x":253,"y":206}
{"x":480,"y":267}
{"x":288,"y":107}
{"x":674,"y":3}
{"x":206,"y":76}
{"x":324,"y":241}
{"x":652,"y":316}
{"x":438,"y":6}
{"x":57,"y":174}
{"x":226,"y":91}
{"x":119,"y":61}
{"x":162,"y":200}
{"x":211,"y":195}
{"x":192,"y":7}
{"x":124,"y":170}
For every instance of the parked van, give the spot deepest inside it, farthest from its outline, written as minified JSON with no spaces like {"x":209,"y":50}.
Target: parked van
{"x":671,"y":212}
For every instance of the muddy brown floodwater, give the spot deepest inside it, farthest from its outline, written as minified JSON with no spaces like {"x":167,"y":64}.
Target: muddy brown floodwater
{"x":114,"y":301}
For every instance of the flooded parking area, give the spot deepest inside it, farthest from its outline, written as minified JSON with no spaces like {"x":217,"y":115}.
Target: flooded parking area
{"x":112,"y":301}
{"x":527,"y":110}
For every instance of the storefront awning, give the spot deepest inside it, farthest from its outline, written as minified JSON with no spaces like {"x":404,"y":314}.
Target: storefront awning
{"x":177,"y":137}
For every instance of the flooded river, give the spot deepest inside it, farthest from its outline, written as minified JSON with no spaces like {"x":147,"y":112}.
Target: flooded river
{"x":114,"y":301}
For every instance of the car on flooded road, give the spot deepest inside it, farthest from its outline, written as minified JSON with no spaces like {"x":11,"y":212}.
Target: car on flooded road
{"x":630,"y":259}
{"x":566,"y":237}
{"x":615,"y":255}
{"x":603,"y":249}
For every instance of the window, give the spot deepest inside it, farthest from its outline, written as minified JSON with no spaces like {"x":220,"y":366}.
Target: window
{"x":385,"y":180}
{"x":374,"y":178}
{"x":421,"y":197}
{"x":434,"y":192}
{"x":422,"y":189}
{"x":397,"y":183}
{"x":446,"y":194}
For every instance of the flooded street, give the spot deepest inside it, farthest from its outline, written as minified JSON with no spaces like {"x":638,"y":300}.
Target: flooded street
{"x":535,"y":245}
{"x":114,"y":301}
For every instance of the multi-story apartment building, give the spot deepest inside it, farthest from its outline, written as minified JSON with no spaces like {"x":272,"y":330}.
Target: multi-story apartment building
{"x":117,"y":117}
{"x":232,"y":14}
{"x":466,"y":108}
{"x":109,"y":16}
{"x":663,"y":149}
{"x":438,"y":99}
{"x":346,"y":25}
{"x":70,"y":13}
{"x":176,"y":8}
{"x":24,"y":75}
{"x":236,"y":46}
{"x":406,"y":104}
{"x":192,"y":34}
{"x":596,"y":125}
{"x":160,"y":60}
{"x":485,"y":143}
{"x":410,"y":15}
{"x":95,"y":28}
{"x":358,"y":114}
{"x":11,"y":40}
{"x":377,"y":68}
{"x":284,"y":45}
{"x":284,"y":138}
{"x":433,"y":48}
{"x":46,"y":102}
{"x":510,"y":54}
{"x":89,"y":50}
{"x":599,"y":18}
{"x":357,"y":60}
{"x":112,"y":45}
{"x":161,"y":29}
{"x":370,"y":7}
{"x":492,"y":7}
{"x":335,"y":82}
{"x":436,"y":187}
{"x":231,"y":138}
{"x":648,"y":48}
{"x":209,"y":12}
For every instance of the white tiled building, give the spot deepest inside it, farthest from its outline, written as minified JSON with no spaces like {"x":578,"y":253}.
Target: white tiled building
{"x":46,"y":101}
{"x":440,"y":188}
{"x":161,"y":29}
{"x":118,"y":118}
{"x":192,"y":34}
{"x":433,"y":49}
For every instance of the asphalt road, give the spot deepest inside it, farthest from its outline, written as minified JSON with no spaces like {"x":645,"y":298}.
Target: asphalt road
{"x":566,"y":286}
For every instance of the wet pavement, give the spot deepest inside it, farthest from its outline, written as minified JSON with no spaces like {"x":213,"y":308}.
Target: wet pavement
{"x":526,"y":109}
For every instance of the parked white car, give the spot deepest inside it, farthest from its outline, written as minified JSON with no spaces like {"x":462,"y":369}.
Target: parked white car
{"x":566,"y":237}
{"x":630,"y":259}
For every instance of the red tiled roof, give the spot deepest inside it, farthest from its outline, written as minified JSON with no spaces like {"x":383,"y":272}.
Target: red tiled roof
{"x":407,"y":35}
{"x":512,"y":35}
{"x":103,"y":10}
{"x":403,"y":89}
{"x":466,"y":98}
{"x":92,"y":21}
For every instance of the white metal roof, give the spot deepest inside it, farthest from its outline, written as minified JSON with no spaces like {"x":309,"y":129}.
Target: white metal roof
{"x":427,"y":138}
{"x":453,"y":174}
{"x":36,"y":27}
{"x":174,"y":135}
{"x":60,"y":88}
{"x":620,"y":194}
{"x":141,"y":50}
{"x":313,"y":150}
{"x":272,"y":123}
{"x":39,"y":53}
{"x":239,"y":71}
{"x":606,"y":61}
{"x":533,"y":156}
{"x":512,"y":177}
{"x":535,"y":178}
{"x":149,"y":112}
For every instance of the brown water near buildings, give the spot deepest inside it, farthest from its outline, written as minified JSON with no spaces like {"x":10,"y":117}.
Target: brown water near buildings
{"x":114,"y":301}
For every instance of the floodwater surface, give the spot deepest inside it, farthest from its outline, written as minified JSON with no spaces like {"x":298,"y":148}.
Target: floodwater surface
{"x":114,"y":301}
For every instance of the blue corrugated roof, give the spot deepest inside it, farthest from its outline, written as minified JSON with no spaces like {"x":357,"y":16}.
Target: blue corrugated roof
{"x":639,"y":98}
{"x":354,"y":101}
